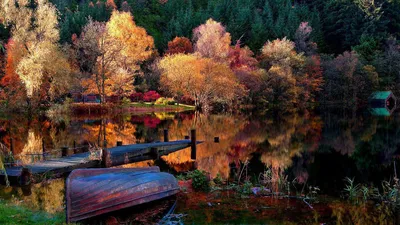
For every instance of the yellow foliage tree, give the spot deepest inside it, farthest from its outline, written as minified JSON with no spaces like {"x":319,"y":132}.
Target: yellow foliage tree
{"x":117,"y":48}
{"x":204,"y":80}
{"x":137,"y":45}
{"x":43,"y":64}
{"x":284,"y":68}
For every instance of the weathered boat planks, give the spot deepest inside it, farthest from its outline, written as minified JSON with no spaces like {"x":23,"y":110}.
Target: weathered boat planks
{"x":93,"y":192}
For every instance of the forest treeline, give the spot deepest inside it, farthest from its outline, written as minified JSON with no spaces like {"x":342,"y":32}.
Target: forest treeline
{"x":222,"y":54}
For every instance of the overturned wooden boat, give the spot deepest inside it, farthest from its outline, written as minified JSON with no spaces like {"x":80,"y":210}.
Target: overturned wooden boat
{"x":93,"y":192}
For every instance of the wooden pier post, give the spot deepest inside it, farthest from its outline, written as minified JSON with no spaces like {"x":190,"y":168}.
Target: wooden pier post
{"x":105,"y":158}
{"x":64,"y":151}
{"x":119,"y":143}
{"x":43,"y":150}
{"x":154,"y":152}
{"x":193,"y":144}
{"x":166,"y":139}
{"x":25,"y":177}
{"x":12,"y":145}
{"x":75,"y":150}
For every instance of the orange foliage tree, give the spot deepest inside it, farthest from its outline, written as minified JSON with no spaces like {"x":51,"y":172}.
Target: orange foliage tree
{"x":242,"y":58}
{"x":313,"y":80}
{"x":245,"y":67}
{"x":116,"y":50}
{"x":42,"y":67}
{"x":179,"y":45}
{"x":202,"y":79}
{"x":13,"y":92}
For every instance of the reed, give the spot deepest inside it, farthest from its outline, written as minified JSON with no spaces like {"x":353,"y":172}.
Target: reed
{"x":3,"y":169}
{"x":388,"y":193}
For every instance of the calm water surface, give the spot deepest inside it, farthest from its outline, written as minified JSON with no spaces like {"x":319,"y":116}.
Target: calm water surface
{"x":317,"y":149}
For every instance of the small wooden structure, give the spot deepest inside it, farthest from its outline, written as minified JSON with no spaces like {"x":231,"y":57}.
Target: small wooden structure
{"x":93,"y":192}
{"x":382,"y":103}
{"x":106,"y":157}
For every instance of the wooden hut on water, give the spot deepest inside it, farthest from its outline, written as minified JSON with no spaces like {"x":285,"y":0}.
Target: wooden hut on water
{"x":382,"y":103}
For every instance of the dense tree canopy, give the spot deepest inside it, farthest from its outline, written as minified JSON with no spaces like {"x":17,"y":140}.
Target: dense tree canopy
{"x":42,"y":66}
{"x":275,"y":53}
{"x":110,"y":54}
{"x":202,"y":79}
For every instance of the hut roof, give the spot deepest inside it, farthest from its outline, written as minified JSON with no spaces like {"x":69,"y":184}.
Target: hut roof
{"x":381,"y":95}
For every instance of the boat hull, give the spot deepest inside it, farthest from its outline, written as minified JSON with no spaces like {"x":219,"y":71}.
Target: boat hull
{"x":93,"y":192}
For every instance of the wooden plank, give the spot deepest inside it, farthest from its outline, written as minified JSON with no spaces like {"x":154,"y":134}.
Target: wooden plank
{"x":118,"y":155}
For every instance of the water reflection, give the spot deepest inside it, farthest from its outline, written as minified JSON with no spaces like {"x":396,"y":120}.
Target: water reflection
{"x":317,"y":149}
{"x":48,"y":196}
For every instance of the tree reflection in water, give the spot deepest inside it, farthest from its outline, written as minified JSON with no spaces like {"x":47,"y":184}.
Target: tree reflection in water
{"x":318,"y":150}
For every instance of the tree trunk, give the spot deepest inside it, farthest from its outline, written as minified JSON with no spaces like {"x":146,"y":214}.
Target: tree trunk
{"x":29,"y":103}
{"x":103,"y":79}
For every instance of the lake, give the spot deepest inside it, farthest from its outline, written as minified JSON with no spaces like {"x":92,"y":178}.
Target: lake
{"x":311,"y":148}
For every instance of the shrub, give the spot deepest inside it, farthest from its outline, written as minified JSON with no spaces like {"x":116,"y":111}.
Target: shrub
{"x":165,"y":101}
{"x":200,"y":181}
{"x":151,"y":96}
{"x":171,"y":102}
{"x":161,"y":101}
{"x":125,"y":101}
{"x":246,"y":188}
{"x":218,"y":179}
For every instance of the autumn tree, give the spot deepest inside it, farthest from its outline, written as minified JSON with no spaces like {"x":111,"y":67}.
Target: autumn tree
{"x":284,"y":67}
{"x":245,"y":67}
{"x":212,"y":40}
{"x":43,"y":64}
{"x":344,"y":81}
{"x":302,"y":40}
{"x":2,"y":58}
{"x":202,"y":79}
{"x":179,"y":45}
{"x":13,"y":91}
{"x":241,"y":58}
{"x":312,"y":81}
{"x":114,"y":52}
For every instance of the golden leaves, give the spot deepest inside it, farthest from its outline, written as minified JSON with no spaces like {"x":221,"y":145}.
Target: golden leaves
{"x":41,"y":59}
{"x":212,"y":40}
{"x":137,"y":44}
{"x":114,"y":51}
{"x":202,"y":79}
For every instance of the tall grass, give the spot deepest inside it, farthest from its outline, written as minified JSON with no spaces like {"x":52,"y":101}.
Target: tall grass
{"x":3,"y":169}
{"x":389,"y":192}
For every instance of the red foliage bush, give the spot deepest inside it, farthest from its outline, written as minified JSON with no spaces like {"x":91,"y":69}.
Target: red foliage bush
{"x":151,"y":96}
{"x":179,"y":45}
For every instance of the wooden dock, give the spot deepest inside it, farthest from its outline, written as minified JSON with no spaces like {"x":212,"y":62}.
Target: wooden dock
{"x":115,"y":156}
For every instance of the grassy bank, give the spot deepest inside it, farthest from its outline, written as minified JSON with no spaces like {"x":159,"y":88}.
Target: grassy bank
{"x":101,"y":109}
{"x":19,"y":215}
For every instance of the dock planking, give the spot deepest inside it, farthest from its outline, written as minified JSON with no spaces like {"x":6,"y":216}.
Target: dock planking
{"x":116,"y":156}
